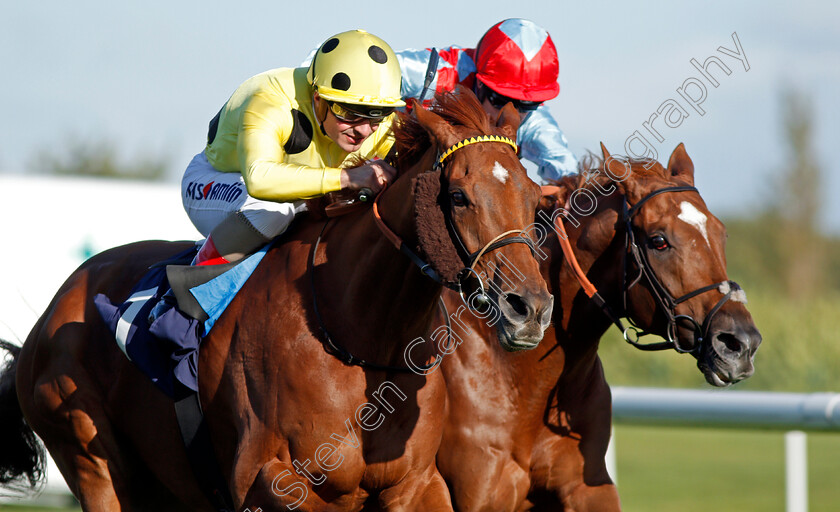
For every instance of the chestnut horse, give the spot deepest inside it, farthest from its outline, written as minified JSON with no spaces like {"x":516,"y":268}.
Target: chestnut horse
{"x":293,"y":425}
{"x":530,"y":430}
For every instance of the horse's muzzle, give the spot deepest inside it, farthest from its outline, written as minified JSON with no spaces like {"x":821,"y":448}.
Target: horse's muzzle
{"x":524,"y":319}
{"x":729,"y":354}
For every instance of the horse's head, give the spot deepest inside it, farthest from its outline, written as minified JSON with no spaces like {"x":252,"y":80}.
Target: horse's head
{"x":481,"y":199}
{"x":675,"y":273}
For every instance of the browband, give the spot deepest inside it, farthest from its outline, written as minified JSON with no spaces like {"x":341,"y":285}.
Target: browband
{"x":474,"y":140}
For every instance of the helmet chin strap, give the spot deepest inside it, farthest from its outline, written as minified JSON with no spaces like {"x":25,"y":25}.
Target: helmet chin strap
{"x":316,"y":111}
{"x":478,"y":89}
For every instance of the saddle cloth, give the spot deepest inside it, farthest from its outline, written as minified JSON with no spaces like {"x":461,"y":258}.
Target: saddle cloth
{"x":167,"y":350}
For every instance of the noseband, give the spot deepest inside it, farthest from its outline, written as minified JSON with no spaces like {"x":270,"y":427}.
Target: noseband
{"x":665,"y":301}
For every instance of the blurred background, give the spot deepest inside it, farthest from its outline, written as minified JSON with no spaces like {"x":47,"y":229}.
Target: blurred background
{"x":106,"y":102}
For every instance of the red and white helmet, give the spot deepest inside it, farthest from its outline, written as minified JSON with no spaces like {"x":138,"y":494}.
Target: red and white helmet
{"x":517,"y":58}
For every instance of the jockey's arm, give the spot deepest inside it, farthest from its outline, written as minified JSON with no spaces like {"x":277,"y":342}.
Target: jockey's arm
{"x":455,"y":66}
{"x":265,"y":127}
{"x":542,"y":141}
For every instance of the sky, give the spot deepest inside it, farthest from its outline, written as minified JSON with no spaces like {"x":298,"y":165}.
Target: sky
{"x":149,"y":76}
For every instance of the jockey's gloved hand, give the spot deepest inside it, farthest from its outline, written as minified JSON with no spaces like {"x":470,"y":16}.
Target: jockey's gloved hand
{"x":373,"y":175}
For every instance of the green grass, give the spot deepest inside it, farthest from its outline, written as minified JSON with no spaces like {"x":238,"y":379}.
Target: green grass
{"x":687,"y":469}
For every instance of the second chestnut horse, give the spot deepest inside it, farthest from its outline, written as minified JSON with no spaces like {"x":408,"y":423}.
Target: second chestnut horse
{"x":529,"y":430}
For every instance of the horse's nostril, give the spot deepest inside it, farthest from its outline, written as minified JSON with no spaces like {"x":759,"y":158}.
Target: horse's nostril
{"x":731,"y":342}
{"x":545,"y":318}
{"x":518,"y":305}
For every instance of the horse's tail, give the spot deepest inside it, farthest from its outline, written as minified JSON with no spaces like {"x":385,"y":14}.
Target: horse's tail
{"x":22,"y":456}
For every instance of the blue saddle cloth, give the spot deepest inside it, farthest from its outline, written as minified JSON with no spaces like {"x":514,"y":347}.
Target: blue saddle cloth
{"x":167,"y":350}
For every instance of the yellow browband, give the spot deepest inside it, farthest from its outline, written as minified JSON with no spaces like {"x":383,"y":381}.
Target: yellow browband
{"x":473,"y":140}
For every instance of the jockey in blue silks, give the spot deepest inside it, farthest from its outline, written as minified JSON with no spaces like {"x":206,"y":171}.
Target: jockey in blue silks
{"x":515,"y":61}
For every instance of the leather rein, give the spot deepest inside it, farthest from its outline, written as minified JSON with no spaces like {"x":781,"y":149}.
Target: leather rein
{"x":471,"y":260}
{"x":665,"y":301}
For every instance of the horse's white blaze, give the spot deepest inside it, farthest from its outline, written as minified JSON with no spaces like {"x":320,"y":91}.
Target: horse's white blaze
{"x":500,"y":172}
{"x":691,"y":215}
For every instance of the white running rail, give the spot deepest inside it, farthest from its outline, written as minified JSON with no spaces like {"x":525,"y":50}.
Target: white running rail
{"x":794,"y":413}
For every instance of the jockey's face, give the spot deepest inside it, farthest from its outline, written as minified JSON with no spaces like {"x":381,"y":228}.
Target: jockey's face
{"x":493,"y":103}
{"x":348,"y":136}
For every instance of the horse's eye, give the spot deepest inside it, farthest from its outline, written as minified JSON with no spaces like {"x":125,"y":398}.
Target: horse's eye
{"x":458,"y":198}
{"x":658,"y":242}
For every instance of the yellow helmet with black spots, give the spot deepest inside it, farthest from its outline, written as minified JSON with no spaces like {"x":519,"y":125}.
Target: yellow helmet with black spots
{"x":357,"y":68}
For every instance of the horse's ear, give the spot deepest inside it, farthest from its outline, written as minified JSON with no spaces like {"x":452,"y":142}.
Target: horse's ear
{"x":616,"y":166}
{"x":604,"y":153}
{"x":439,"y":130}
{"x":680,"y":165}
{"x":508,"y":121}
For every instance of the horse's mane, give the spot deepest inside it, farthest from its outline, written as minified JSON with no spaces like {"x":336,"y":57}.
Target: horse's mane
{"x":458,"y":108}
{"x":591,"y":163}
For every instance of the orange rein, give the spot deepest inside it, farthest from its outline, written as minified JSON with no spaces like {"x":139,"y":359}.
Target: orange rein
{"x":344,"y":207}
{"x":569,"y":254}
{"x":390,"y":235}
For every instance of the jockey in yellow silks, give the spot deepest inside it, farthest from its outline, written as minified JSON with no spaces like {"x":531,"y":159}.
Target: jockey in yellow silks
{"x":286,"y":135}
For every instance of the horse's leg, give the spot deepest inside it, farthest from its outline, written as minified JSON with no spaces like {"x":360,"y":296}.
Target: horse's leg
{"x":65,"y":401}
{"x":78,"y":435}
{"x":482,"y":478}
{"x":571,"y":483}
{"x":63,"y":404}
{"x":570,"y":467}
{"x":278,"y":487}
{"x":583,"y":498}
{"x":586,"y":498}
{"x":421,"y":492}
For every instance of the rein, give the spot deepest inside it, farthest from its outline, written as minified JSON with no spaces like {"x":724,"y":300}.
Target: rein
{"x":425,"y":267}
{"x":339,"y":351}
{"x":664,"y":300}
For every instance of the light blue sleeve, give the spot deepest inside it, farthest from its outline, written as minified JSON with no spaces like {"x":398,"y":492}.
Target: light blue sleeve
{"x":542,"y":142}
{"x":413,"y":64}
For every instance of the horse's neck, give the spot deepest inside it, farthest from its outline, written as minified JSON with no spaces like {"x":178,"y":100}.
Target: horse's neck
{"x":386,"y":302}
{"x":579,"y":323}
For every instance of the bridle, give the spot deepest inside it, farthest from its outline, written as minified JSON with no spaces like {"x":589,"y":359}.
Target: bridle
{"x":470,"y":261}
{"x":665,"y":301}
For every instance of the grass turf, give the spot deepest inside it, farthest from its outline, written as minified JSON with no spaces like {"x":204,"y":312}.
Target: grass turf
{"x":687,"y":469}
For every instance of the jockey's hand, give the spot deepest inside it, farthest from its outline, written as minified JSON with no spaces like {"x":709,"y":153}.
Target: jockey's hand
{"x":373,"y":175}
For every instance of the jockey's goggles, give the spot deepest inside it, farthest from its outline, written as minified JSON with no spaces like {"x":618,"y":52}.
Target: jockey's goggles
{"x":355,"y":114}
{"x":499,"y":101}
